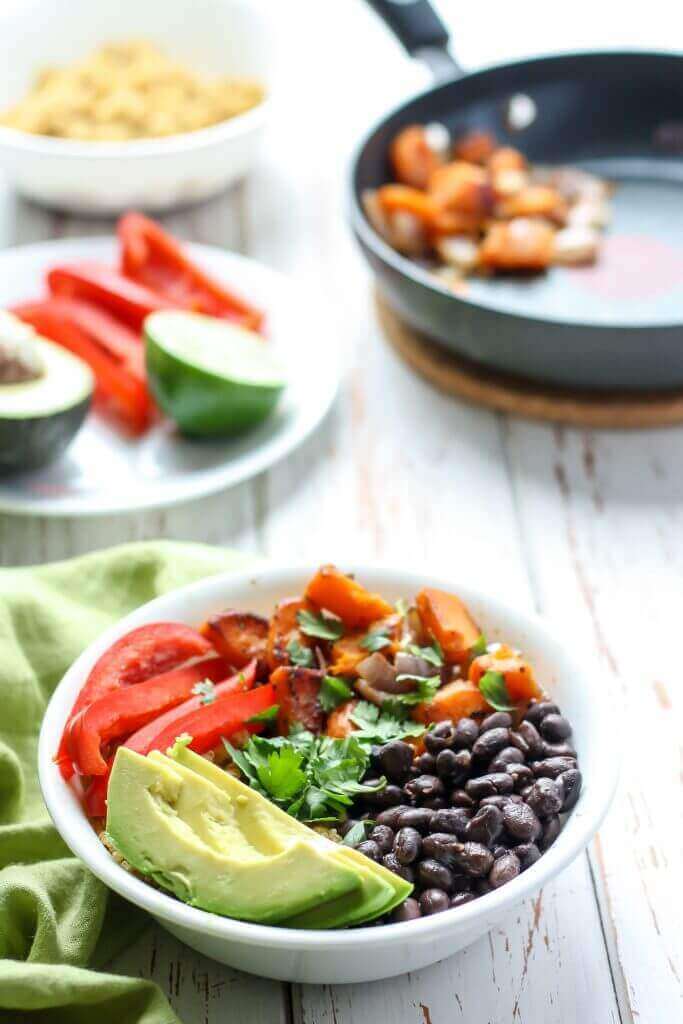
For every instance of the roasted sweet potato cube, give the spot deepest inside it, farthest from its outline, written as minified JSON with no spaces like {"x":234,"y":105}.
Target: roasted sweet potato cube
{"x":448,"y":621}
{"x":463,"y":188}
{"x":456,"y":700}
{"x":534,"y":201}
{"x":476,"y":147}
{"x":352,"y":603}
{"x":519,"y":244}
{"x":339,"y":723}
{"x":412,"y":158}
{"x":518,"y":673}
{"x":298,"y":698}
{"x":237,"y":636}
{"x":505,"y":158}
{"x":283,"y":629}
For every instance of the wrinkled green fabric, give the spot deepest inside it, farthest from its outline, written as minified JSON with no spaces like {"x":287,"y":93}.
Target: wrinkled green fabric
{"x":57,"y":922}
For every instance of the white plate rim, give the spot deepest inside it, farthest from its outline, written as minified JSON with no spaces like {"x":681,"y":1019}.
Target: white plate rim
{"x":223,"y":476}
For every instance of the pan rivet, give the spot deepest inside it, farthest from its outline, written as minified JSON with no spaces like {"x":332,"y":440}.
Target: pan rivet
{"x":520,"y":112}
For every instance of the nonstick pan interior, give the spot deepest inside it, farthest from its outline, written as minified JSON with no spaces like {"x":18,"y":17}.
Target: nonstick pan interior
{"x":618,"y":114}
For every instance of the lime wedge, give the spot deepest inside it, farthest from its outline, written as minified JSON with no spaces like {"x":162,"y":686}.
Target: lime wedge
{"x":213,"y":378}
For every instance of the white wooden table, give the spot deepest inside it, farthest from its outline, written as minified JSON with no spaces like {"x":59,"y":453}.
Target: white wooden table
{"x":586,"y":527}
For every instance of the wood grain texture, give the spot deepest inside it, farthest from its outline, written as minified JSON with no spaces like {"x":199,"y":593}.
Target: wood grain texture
{"x":585,"y":527}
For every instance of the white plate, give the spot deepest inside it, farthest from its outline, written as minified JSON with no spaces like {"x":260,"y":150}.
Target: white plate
{"x":103,"y":472}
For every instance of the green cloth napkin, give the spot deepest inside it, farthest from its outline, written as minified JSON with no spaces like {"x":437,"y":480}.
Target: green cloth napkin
{"x":57,"y":921}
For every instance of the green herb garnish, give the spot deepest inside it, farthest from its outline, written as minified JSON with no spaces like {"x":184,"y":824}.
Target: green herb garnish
{"x":300,"y":655}
{"x":333,"y":692}
{"x":321,"y":626}
{"x":494,"y":690}
{"x":431,"y":653}
{"x":425,"y":689}
{"x":269,"y":715}
{"x":205,"y":691}
{"x":478,"y":647}
{"x":380,"y":726}
{"x":375,"y":640}
{"x":357,"y":833}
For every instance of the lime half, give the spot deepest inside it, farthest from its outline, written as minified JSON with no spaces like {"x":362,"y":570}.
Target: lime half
{"x":213,"y":378}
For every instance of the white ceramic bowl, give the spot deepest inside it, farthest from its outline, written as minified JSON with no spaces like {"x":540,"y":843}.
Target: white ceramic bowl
{"x":363,"y":954}
{"x":217,"y":36}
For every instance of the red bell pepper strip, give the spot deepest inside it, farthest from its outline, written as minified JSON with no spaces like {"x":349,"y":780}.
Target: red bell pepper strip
{"x":112,"y":351}
{"x":139,"y":655}
{"x":108,"y":289}
{"x":145,"y":738}
{"x":122,"y":712}
{"x":150,"y":256}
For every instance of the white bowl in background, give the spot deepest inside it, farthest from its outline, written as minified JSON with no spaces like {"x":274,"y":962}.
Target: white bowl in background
{"x":360,"y":954}
{"x":104,"y":178}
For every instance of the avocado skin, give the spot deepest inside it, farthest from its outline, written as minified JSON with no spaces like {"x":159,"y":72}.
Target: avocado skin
{"x":31,"y":442}
{"x":202,"y":404}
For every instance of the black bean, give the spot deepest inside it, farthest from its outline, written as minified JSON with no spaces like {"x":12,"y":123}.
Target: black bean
{"x":461,"y":883}
{"x":521,"y":774}
{"x":425,"y":763}
{"x":529,"y":734}
{"x":551,"y":767}
{"x":424,"y":787}
{"x":442,"y":846}
{"x":466,"y":732}
{"x":370,"y":849}
{"x":555,"y":728}
{"x":440,"y":737}
{"x":453,"y":820}
{"x":494,"y":801}
{"x":499,"y":851}
{"x":571,"y":783}
{"x":433,"y":901}
{"x":474,"y":859}
{"x":437,"y":803}
{"x":461,"y":898}
{"x":564,"y":749}
{"x":527,"y":854}
{"x":383,"y":836}
{"x":498,"y":720}
{"x":482,"y":886}
{"x":390,"y":796}
{"x":394,"y":759}
{"x":447,"y":764}
{"x":485,"y":826}
{"x":521,"y":822}
{"x":551,"y":830}
{"x":488,"y":785}
{"x":416,"y":817}
{"x":539,"y":709}
{"x":404,"y":870}
{"x":391,"y":815}
{"x":519,"y":743}
{"x":508,"y":755}
{"x":489,"y":743}
{"x":459,"y":798}
{"x":409,"y":910}
{"x":407,"y":845}
{"x":432,"y":874}
{"x":545,"y":798}
{"x":504,"y":870}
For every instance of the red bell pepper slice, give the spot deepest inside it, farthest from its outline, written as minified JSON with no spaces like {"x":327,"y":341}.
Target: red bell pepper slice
{"x":171,"y":723}
{"x":150,"y":256}
{"x":107,"y":288}
{"x":113,"y":352}
{"x":124,"y":711}
{"x":139,"y":655}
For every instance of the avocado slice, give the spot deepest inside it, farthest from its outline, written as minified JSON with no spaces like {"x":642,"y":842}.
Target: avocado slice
{"x":380,"y":889}
{"x":213,"y":378}
{"x":45,"y":394}
{"x":183,"y":832}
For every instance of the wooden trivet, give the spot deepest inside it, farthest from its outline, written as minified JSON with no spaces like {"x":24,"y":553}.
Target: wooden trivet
{"x":480,"y":385}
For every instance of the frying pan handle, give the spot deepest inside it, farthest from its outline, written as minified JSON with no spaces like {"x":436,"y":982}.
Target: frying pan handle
{"x":418,"y":27}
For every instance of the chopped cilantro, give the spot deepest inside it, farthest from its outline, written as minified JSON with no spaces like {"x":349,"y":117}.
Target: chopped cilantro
{"x":357,"y":833}
{"x":424,"y":691}
{"x":333,"y":692}
{"x":494,"y":690}
{"x":300,"y":655}
{"x":375,"y":640}
{"x":380,"y":726}
{"x":269,"y":715}
{"x":321,"y":626}
{"x":205,"y":691}
{"x":431,"y":653}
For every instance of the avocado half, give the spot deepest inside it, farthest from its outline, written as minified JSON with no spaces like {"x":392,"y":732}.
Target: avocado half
{"x":40,"y":417}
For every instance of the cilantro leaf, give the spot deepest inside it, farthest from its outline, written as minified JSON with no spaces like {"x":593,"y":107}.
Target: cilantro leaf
{"x":375,"y":726}
{"x":494,"y":690}
{"x":281,"y":776}
{"x":333,"y":692}
{"x":431,"y":653}
{"x":424,"y":691}
{"x":205,"y":691}
{"x":300,"y":655}
{"x":269,"y":715}
{"x":478,"y":647}
{"x":375,"y":640}
{"x":318,"y":625}
{"x":357,"y":833}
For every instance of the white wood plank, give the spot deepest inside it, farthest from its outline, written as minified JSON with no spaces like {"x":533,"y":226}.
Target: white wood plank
{"x":602,"y":515}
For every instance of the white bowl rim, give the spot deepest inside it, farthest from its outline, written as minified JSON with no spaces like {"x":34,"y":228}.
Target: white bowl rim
{"x":575,"y":836}
{"x":166,"y":145}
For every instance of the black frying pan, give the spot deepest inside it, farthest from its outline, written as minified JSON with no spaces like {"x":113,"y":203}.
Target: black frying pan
{"x":618,"y":325}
